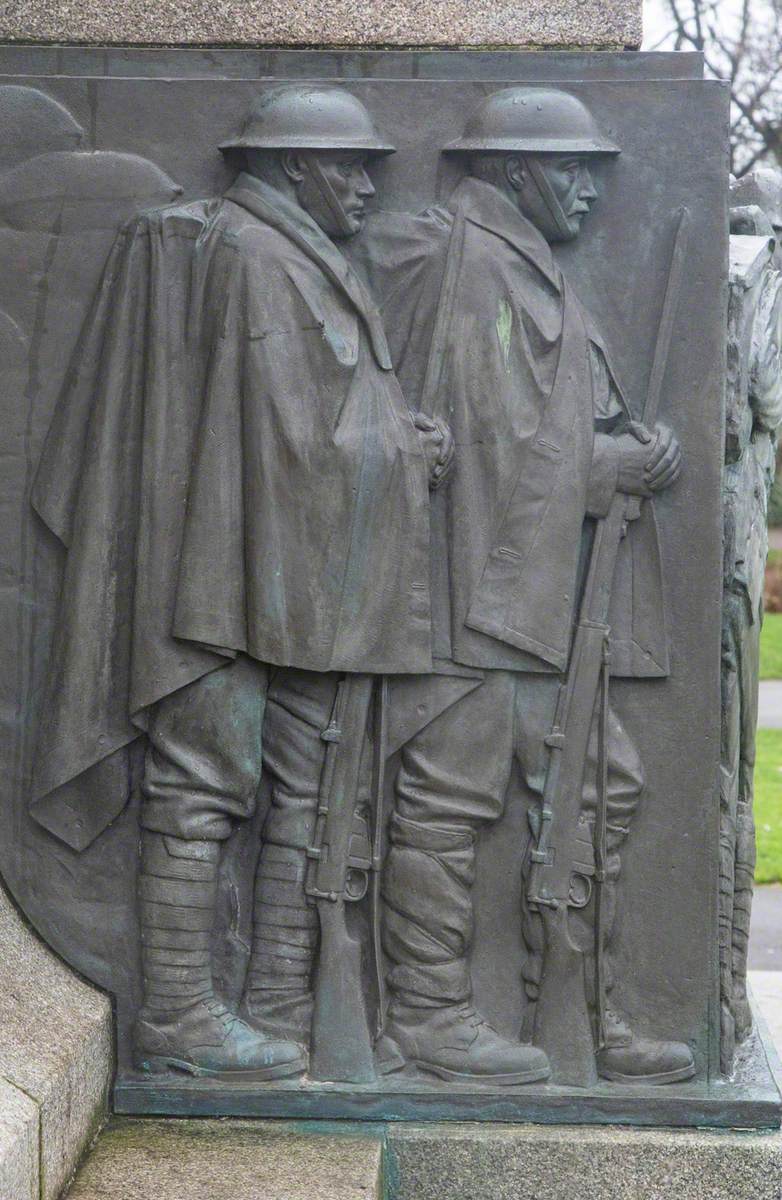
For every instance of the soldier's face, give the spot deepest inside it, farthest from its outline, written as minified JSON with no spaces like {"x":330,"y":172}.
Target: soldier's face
{"x":334,"y":189}
{"x":570,"y":181}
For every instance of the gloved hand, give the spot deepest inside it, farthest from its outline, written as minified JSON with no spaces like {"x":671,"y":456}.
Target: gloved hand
{"x":438,"y":446}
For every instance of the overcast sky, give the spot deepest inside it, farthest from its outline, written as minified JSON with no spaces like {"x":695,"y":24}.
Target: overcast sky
{"x":657,"y":23}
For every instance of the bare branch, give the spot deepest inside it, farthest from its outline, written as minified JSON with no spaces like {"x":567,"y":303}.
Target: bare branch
{"x":741,"y":43}
{"x":756,"y":158}
{"x":744,"y":23}
{"x":682,"y":32}
{"x":734,"y":54}
{"x":696,"y":4}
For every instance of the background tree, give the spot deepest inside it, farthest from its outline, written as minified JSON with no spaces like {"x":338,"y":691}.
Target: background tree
{"x":741,"y":41}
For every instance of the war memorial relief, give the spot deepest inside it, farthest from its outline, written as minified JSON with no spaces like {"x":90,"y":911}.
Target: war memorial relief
{"x":376,"y":731}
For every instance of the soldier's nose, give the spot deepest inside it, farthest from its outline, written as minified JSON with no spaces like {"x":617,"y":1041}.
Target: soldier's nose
{"x":365,"y":185}
{"x":587,"y":190}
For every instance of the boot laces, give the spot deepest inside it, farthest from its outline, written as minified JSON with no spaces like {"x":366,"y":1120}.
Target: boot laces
{"x":472,"y":1017}
{"x":220,"y":1012}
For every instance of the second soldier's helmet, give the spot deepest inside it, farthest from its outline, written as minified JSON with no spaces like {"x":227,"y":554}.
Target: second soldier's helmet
{"x":533,"y":121}
{"x":308,"y":117}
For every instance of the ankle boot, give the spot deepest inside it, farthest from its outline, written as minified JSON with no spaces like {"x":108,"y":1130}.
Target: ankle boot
{"x":278,"y":992}
{"x":456,"y":1043}
{"x":182,"y":1025}
{"x":628,"y":1058}
{"x":427,"y":931}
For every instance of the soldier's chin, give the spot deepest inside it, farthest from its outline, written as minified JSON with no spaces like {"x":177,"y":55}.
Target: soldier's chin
{"x":573,"y":224}
{"x":567,"y":233}
{"x":355,"y":223}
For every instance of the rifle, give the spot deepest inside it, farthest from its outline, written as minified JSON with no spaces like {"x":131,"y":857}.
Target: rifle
{"x":337,"y":876}
{"x":558,"y":875}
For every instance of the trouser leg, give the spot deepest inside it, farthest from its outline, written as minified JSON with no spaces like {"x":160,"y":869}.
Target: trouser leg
{"x":203,"y":763}
{"x":452,"y":780}
{"x":621,"y":1054}
{"x":285,"y":927}
{"x":536,"y":699}
{"x":202,"y":772}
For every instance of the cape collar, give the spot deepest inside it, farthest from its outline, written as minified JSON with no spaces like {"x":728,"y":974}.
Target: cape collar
{"x":275,"y":209}
{"x":486,"y":206}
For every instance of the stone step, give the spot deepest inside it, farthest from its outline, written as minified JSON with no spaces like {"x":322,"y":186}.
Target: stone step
{"x":172,"y":1159}
{"x":148,"y":1159}
{"x":55,"y":1063}
{"x":152,"y":1159}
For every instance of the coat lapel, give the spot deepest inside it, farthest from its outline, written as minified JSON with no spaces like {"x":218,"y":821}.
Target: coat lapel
{"x":270,"y":206}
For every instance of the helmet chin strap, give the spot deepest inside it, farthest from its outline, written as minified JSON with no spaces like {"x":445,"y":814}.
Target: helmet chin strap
{"x":549,"y":198}
{"x":329,"y":196}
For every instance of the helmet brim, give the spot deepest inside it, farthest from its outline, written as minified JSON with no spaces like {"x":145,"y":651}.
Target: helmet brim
{"x":359,"y":145}
{"x":593,"y":146}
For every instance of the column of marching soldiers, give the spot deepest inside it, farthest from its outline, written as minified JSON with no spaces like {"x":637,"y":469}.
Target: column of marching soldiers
{"x":299,"y":493}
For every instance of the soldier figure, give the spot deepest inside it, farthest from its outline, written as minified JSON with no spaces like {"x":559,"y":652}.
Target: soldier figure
{"x":244,"y":497}
{"x":753,"y":415}
{"x":543,"y":442}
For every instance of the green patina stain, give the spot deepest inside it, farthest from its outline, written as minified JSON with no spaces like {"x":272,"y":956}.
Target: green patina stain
{"x":504,"y":327}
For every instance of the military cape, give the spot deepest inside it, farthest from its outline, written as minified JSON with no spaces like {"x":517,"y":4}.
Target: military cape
{"x":233,"y":469}
{"x":524,"y":379}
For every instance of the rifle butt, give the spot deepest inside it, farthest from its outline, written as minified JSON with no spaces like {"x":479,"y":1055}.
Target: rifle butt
{"x":341,"y":1045}
{"x":563,"y":1028}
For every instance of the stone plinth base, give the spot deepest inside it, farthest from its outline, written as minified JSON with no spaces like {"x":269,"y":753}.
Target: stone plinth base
{"x":243,"y":1160}
{"x":581,"y":1163}
{"x":236,"y":1160}
{"x":55,"y":1063}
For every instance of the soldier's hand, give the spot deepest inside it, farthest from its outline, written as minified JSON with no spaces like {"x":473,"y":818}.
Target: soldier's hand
{"x":649,"y":466}
{"x":665,"y":460}
{"x":438,"y":447}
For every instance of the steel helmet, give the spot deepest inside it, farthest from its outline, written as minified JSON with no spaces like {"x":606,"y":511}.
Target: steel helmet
{"x":532,"y":121}
{"x":308,"y":117}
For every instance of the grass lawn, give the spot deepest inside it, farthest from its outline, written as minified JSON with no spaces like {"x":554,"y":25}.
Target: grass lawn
{"x":771,"y":647}
{"x":768,"y":765}
{"x":768,"y":805}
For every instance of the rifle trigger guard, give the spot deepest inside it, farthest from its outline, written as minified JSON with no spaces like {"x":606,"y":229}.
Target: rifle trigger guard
{"x":356,"y":884}
{"x":580,"y":892}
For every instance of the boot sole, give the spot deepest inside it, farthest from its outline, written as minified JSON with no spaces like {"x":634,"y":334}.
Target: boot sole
{"x":157,"y":1064}
{"x":676,"y":1076}
{"x":532,"y":1076}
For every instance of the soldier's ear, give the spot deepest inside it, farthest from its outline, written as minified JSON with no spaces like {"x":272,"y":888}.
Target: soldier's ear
{"x":515,"y":172}
{"x":292,"y":165}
